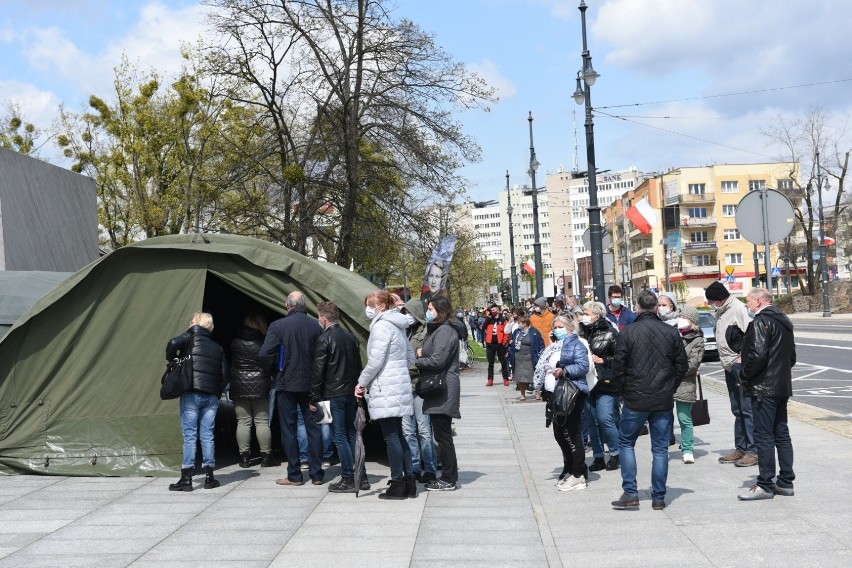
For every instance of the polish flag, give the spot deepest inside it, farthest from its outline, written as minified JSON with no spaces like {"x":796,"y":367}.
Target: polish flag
{"x":529,"y":267}
{"x":829,"y":241}
{"x":643,"y":216}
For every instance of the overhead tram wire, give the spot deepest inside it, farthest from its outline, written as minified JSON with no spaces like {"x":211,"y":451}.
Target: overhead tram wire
{"x":599,"y":112}
{"x":771,"y":89}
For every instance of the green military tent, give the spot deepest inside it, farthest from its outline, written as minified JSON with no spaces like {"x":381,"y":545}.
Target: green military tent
{"x":80,"y":371}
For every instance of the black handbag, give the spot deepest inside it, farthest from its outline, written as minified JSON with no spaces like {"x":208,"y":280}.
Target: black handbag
{"x":431,"y":386}
{"x":177,"y":379}
{"x":700,"y":411}
{"x":564,"y":398}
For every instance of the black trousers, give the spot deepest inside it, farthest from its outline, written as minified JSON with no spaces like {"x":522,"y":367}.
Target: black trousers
{"x":496,"y":350}
{"x":443,"y":431}
{"x":569,"y":436}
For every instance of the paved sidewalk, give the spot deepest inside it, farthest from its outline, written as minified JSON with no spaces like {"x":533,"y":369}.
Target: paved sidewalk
{"x":507,"y":511}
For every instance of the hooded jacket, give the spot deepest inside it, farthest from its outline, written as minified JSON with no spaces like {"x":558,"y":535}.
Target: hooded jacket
{"x":603,"y":341}
{"x":574,"y":360}
{"x":693,"y":342}
{"x":440,"y":356}
{"x":385,"y":376}
{"x":768,"y":355}
{"x":650,"y":363}
{"x":248,"y":379}
{"x":732,"y":312}
{"x":209,"y":372}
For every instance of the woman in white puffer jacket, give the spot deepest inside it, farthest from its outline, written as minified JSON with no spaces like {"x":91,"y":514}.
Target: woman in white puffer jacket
{"x":388,"y":386}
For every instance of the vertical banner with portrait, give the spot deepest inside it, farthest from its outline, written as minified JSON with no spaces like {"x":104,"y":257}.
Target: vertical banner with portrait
{"x":438,"y":269}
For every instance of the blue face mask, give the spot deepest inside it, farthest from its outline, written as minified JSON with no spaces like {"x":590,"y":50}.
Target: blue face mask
{"x":429,"y":316}
{"x":560,"y":333}
{"x":616,"y":302}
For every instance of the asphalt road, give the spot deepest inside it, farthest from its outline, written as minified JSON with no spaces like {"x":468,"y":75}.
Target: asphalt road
{"x":822,"y":376}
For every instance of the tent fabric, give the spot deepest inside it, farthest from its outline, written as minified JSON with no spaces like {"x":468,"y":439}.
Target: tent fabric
{"x":19,"y":290}
{"x":80,"y":372}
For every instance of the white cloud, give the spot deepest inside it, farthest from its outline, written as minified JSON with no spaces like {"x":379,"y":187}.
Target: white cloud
{"x":491,"y":72}
{"x":37,"y":106}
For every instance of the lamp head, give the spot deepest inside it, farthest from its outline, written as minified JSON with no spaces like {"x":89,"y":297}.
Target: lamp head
{"x":579,"y":96}
{"x":589,"y":74}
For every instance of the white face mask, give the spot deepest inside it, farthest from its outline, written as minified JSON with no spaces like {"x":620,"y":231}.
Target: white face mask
{"x":370,"y":311}
{"x":664,"y":311}
{"x":587,"y":320}
{"x":683,"y":323}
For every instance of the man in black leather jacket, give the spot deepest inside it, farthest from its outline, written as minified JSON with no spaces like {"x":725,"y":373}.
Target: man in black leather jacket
{"x":768,"y":355}
{"x":336,"y":367}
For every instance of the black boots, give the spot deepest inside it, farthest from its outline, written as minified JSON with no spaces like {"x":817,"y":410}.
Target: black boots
{"x":597,"y":465}
{"x":411,"y":487}
{"x":185,"y":482}
{"x":209,"y":481}
{"x":396,"y":490}
{"x":265,"y":460}
{"x":613,"y":463}
{"x":245,"y":460}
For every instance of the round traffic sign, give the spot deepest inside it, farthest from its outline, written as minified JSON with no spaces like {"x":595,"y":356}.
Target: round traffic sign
{"x":560,"y":281}
{"x":750,"y":219}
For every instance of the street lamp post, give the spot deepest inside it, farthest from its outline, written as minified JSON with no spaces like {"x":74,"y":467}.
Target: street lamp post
{"x":823,"y":257}
{"x":539,"y":276}
{"x":512,"y":268}
{"x":584,"y":94}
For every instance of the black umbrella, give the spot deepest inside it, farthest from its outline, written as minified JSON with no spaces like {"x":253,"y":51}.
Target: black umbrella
{"x":360,"y":452}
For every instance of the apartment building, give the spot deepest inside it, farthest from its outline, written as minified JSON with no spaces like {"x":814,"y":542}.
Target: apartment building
{"x":695,"y":240}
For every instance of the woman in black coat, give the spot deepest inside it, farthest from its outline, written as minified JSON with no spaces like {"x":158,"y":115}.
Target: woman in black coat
{"x":250,"y":386}
{"x":198,"y":406}
{"x":602,"y":406}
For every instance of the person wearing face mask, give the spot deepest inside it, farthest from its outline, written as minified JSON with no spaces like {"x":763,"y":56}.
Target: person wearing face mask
{"x":496,"y":342}
{"x":386,"y":382}
{"x":602,"y":406}
{"x":667,"y":308}
{"x":693,"y":342}
{"x":439,"y":354}
{"x":730,"y":311}
{"x":527,"y":345}
{"x":542,"y":319}
{"x":616,"y":311}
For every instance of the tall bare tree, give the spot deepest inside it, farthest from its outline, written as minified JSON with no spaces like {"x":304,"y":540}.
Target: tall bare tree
{"x":801,"y":139}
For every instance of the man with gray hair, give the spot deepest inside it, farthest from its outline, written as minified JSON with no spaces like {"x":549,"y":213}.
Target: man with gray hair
{"x":649,"y":363}
{"x":288,"y":353}
{"x":768,"y":355}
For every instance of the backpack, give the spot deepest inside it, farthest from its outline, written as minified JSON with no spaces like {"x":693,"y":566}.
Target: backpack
{"x":563,"y":400}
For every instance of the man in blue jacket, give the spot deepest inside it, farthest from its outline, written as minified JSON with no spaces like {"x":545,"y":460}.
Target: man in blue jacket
{"x":298,"y":334}
{"x":649,"y":363}
{"x":616,"y":311}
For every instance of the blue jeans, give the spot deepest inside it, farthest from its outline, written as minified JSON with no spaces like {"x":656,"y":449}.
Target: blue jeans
{"x":417,"y":429}
{"x":741,"y":409}
{"x":302,"y":437}
{"x":659,"y":426}
{"x":343,"y":427}
{"x":603,"y":416}
{"x":399,"y":454}
{"x":198,"y":421}
{"x":770,"y":434}
{"x":289,"y":404}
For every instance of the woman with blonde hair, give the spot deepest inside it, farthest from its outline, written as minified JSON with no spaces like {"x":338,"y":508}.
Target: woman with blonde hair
{"x":198,"y":406}
{"x":387,"y":384}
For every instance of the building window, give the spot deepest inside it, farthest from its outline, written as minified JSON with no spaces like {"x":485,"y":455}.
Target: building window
{"x":785,"y":184}
{"x":730,"y":187}
{"x":734,"y":258}
{"x":696,"y":189}
{"x":732,"y":234}
{"x":703,"y":260}
{"x":699,"y":237}
{"x":729,"y":210}
{"x":755,"y":184}
{"x":698,"y":212}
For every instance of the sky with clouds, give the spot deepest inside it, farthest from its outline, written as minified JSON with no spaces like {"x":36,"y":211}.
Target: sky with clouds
{"x":677,"y":53}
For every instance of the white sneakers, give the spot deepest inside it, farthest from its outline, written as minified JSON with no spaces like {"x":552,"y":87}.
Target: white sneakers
{"x":688,"y":458}
{"x":570,"y":483}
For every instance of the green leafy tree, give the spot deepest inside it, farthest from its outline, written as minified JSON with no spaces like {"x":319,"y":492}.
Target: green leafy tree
{"x":17,"y":134}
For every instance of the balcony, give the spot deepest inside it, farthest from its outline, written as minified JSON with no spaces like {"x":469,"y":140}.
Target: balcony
{"x":640,"y":252}
{"x":700,"y":246}
{"x":697,"y":221}
{"x":711,"y":269}
{"x":697,"y":197}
